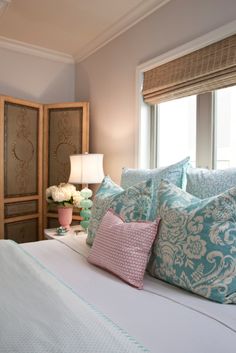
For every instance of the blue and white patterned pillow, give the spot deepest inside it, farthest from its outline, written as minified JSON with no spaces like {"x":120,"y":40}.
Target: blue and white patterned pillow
{"x":205,"y":183}
{"x":132,"y":204}
{"x":196,"y":244}
{"x":108,"y":187}
{"x":101,"y":204}
{"x":175,"y":174}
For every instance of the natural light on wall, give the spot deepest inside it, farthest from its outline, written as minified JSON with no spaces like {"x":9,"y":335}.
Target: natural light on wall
{"x":176,"y":131}
{"x":225,"y":115}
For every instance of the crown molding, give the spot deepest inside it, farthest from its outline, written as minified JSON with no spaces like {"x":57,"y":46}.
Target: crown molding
{"x":135,"y":15}
{"x":144,"y":9}
{"x":30,"y":49}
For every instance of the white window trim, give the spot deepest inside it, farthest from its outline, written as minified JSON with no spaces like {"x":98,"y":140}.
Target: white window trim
{"x":198,"y":43}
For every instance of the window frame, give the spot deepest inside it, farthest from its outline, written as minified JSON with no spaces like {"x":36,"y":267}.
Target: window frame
{"x":205,"y":136}
{"x":143,"y":158}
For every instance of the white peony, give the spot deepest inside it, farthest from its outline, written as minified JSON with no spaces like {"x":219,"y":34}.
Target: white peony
{"x":49,"y":193}
{"x":59,"y":195}
{"x":68,"y":186}
{"x":64,"y":194}
{"x":67,"y":192}
{"x":77,"y":198}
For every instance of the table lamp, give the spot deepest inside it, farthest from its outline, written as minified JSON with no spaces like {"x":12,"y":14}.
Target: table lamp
{"x":86,"y":169}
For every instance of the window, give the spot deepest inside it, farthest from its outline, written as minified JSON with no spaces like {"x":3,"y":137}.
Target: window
{"x":202,"y":127}
{"x":176,"y":131}
{"x":225,"y":122}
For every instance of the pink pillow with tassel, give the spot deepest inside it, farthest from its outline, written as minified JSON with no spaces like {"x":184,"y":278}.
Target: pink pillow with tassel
{"x":123,"y":248}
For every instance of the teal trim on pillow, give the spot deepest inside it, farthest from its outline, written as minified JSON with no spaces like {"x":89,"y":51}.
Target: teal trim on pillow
{"x":196,"y":244}
{"x":205,"y":183}
{"x":132,"y":204}
{"x":175,"y":174}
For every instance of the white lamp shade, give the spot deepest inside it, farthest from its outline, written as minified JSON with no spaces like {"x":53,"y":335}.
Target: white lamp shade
{"x":86,"y":168}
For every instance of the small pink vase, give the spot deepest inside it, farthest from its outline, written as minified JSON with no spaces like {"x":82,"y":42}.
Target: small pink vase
{"x":65,"y":216}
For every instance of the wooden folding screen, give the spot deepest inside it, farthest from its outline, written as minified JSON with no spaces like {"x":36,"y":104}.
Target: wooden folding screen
{"x":35,"y":144}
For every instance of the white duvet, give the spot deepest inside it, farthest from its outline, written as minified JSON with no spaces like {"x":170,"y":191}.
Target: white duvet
{"x":163,"y":318}
{"x":40,"y":314}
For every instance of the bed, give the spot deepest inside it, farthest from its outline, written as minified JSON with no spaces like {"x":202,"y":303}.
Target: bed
{"x":160,"y":318}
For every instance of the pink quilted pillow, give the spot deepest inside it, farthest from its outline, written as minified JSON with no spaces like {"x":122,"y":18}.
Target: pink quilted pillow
{"x":123,"y":248}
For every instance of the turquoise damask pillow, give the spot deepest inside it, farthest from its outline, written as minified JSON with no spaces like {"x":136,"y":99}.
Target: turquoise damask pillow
{"x":108,"y":187}
{"x":175,"y":174}
{"x":132,"y":204}
{"x":205,"y":183}
{"x":196,"y":244}
{"x":101,"y":204}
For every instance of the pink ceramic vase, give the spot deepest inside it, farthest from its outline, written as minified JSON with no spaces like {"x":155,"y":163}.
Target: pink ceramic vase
{"x":65,"y":216}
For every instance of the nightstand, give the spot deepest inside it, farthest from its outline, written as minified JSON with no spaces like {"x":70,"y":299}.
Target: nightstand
{"x":75,"y":230}
{"x":75,"y":239}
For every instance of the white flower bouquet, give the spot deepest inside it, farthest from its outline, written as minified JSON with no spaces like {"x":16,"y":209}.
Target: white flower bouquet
{"x":64,"y":195}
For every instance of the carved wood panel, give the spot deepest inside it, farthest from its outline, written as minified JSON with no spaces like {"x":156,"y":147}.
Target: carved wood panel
{"x":66,"y":132}
{"x":22,"y":231}
{"x":20,"y":208}
{"x":21,"y":177}
{"x":20,"y":150}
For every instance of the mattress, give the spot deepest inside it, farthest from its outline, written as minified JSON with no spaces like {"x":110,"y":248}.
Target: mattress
{"x":163,"y":318}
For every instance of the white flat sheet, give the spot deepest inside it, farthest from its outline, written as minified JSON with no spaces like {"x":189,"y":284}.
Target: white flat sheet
{"x":39,"y":314}
{"x":163,"y":318}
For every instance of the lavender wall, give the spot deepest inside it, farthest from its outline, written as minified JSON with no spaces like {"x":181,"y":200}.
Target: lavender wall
{"x":107,"y":78}
{"x":39,"y":79}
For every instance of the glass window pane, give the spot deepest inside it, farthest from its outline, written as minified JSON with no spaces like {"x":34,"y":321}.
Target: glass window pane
{"x":177,"y":131}
{"x":225,"y":118}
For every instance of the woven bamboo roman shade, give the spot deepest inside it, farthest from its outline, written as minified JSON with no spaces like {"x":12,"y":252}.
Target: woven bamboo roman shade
{"x":201,"y":71}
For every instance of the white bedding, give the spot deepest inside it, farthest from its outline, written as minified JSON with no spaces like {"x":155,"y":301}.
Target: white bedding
{"x":163,"y":318}
{"x":39,"y":314}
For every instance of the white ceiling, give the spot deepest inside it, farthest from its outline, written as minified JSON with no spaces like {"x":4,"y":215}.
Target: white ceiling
{"x":73,"y":27}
